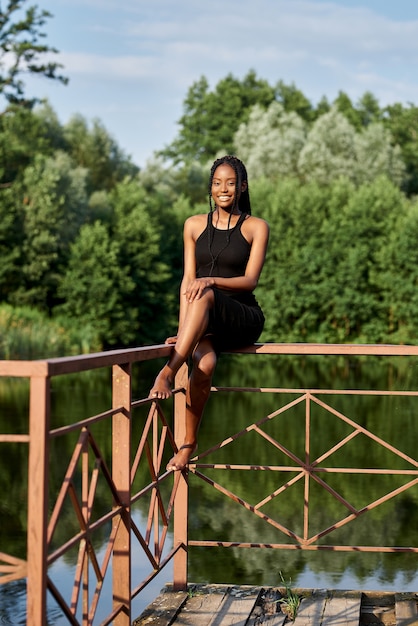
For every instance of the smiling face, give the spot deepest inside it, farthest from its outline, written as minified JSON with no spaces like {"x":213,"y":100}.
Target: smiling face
{"x":224,"y":187}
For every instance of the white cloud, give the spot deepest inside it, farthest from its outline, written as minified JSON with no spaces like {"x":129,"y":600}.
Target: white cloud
{"x":192,"y":34}
{"x":147,"y":54}
{"x":274,"y":22}
{"x":120,"y":67}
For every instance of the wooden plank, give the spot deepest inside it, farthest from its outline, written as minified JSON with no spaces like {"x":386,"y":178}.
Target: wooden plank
{"x":311,"y":609}
{"x":279,"y":619}
{"x":267,"y":610}
{"x":343,"y":610}
{"x":405,"y":610}
{"x":201,"y":608}
{"x":163,"y":609}
{"x":236,"y":607}
{"x":273,"y":619}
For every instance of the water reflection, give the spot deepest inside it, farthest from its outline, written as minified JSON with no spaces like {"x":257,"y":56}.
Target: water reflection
{"x":394,"y":523}
{"x":212,"y":516}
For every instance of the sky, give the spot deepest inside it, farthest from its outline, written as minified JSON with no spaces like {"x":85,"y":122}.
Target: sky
{"x":130,"y":63}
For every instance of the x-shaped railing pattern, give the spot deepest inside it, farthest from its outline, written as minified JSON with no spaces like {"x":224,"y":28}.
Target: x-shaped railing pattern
{"x":308,"y":469}
{"x":86,"y":468}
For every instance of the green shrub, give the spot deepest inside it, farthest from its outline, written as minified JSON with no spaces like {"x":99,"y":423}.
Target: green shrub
{"x":26,"y":333}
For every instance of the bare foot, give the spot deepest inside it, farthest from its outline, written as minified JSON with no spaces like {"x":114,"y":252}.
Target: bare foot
{"x":181,"y":459}
{"x":161,"y":389}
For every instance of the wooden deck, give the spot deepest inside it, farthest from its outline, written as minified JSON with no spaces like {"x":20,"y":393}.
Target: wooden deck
{"x":223,"y":605}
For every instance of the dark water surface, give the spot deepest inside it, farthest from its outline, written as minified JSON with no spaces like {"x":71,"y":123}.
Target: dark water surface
{"x":214,"y":517}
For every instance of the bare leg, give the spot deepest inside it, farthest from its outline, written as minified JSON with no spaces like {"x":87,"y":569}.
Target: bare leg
{"x":197,"y":394}
{"x":193,"y":328}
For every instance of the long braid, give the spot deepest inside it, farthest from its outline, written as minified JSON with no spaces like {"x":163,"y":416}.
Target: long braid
{"x":241,"y":200}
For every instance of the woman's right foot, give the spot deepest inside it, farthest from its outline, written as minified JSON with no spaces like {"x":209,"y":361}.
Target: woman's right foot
{"x":182,"y":458}
{"x":162,"y":388}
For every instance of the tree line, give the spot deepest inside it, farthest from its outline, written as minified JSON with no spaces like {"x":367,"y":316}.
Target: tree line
{"x":91,"y":246}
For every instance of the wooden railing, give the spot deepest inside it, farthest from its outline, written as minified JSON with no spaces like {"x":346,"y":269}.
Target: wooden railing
{"x":85,"y":467}
{"x":165,"y":493}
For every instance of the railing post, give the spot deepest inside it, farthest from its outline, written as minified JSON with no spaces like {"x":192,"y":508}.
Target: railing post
{"x":38,"y":479}
{"x":121,"y":473}
{"x":181,"y":500}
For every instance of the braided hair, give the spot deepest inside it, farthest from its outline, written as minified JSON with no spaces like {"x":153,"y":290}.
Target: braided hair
{"x":242,"y":198}
{"x":241,"y":201}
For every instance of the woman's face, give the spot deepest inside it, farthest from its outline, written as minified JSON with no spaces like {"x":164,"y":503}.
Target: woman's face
{"x":224,"y":186}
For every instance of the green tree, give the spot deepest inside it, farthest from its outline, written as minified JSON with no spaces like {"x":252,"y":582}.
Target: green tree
{"x":24,"y":133}
{"x":399,"y":277}
{"x":329,"y":149}
{"x":11,"y":243}
{"x":369,"y":109}
{"x":403,"y":123}
{"x":354,"y":238}
{"x":333,"y":148}
{"x":344,"y":105}
{"x":95,"y":287}
{"x":289,"y":286}
{"x":376,"y":154}
{"x":143,"y":229}
{"x":322,"y":107}
{"x":271,"y":141}
{"x":323,"y":278}
{"x":94,"y":149}
{"x":275,"y":143}
{"x":293,"y":100}
{"x":22,"y":49}
{"x":54,"y":201}
{"x":366,"y":111}
{"x":210,"y":118}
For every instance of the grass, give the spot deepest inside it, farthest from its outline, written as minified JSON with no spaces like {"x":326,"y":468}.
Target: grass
{"x":291,"y":601}
{"x":26,"y":333}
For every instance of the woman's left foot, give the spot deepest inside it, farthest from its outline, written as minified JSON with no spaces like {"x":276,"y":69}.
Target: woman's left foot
{"x":181,"y":459}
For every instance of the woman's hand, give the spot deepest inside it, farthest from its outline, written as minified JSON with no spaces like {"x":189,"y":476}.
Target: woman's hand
{"x":196,"y":288}
{"x":171,"y":340}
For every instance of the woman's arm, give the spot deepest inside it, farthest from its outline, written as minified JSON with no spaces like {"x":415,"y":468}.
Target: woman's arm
{"x":193,"y":226}
{"x":189,"y":273}
{"x":257,"y":233}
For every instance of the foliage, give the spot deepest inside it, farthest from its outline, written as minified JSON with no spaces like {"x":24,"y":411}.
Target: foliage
{"x":271,"y":141}
{"x":328,"y":274}
{"x":402,"y":123}
{"x":22,"y":49}
{"x":291,"y":601}
{"x":54,"y":205}
{"x":11,"y":227}
{"x":398,"y":279}
{"x":275,"y":143}
{"x":98,"y":152}
{"x":211,"y":118}
{"x":23,"y":135}
{"x":26,"y":333}
{"x":84,"y":234}
{"x":95,"y":285}
{"x":147,"y":257}
{"x":293,"y":100}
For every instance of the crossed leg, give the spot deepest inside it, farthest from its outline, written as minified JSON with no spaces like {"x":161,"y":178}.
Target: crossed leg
{"x":192,"y":330}
{"x":190,"y":341}
{"x":197,"y":394}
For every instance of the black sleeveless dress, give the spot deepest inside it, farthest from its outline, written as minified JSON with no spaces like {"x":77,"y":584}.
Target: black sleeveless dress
{"x":236,"y":320}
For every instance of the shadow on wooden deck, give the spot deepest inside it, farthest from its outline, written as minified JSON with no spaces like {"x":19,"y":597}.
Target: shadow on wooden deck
{"x":225,"y":605}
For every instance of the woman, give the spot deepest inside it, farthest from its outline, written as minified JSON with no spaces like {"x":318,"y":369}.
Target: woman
{"x":224,"y":253}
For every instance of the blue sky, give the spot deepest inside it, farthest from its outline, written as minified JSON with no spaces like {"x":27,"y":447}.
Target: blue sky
{"x":131,"y":62}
